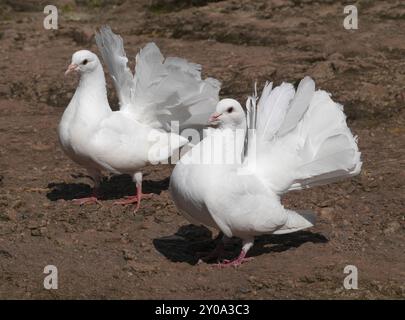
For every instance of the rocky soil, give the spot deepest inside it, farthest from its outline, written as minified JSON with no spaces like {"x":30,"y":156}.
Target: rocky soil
{"x":105,"y":251}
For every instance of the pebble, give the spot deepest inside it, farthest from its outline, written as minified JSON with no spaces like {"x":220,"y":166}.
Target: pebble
{"x":392,"y":227}
{"x":326,"y":213}
{"x":39,"y":232}
{"x":128,"y":255}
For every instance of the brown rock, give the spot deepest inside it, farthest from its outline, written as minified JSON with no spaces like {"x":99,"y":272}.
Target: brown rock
{"x":128,"y":255}
{"x":322,"y":70}
{"x":392,"y":227}
{"x":326,"y":213}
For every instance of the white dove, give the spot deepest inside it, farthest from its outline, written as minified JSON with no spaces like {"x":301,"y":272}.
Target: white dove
{"x":297,"y":140}
{"x":162,"y":90}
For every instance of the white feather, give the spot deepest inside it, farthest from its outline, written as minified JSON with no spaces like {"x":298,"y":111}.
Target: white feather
{"x":302,"y":140}
{"x":111,"y":47}
{"x":298,"y":105}
{"x":318,"y":149}
{"x":162,"y":90}
{"x":272,"y":109}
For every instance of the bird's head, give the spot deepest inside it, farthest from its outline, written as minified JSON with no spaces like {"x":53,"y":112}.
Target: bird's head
{"x":228,"y":114}
{"x":83,"y":61}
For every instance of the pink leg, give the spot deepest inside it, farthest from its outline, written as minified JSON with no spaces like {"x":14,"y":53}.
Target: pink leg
{"x":96,"y":177}
{"x":247,"y":244}
{"x":87,"y":200}
{"x":235,"y":262}
{"x":134,"y":199}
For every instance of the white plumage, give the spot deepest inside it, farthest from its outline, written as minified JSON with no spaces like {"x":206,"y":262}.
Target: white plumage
{"x":299,"y":139}
{"x":162,"y":90}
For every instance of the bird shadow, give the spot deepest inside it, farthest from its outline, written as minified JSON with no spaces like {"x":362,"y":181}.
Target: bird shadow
{"x":186,"y":244}
{"x":111,"y":188}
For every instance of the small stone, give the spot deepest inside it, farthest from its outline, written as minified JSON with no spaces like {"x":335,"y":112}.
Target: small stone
{"x":326,"y":203}
{"x":128,"y":255}
{"x":36,"y":224}
{"x":82,"y":36}
{"x":392,"y":227}
{"x":39,"y":232}
{"x":322,"y":70}
{"x":326,"y":213}
{"x":5,"y":254}
{"x":4,"y":216}
{"x":17,"y":204}
{"x":244,"y":290}
{"x":68,"y":227}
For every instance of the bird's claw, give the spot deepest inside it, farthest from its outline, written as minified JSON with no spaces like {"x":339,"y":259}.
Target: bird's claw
{"x":86,"y":200}
{"x":232,"y":263}
{"x":126,"y":200}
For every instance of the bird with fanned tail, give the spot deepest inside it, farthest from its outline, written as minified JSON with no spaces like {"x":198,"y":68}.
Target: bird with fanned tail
{"x":292,"y":139}
{"x":162,"y":90}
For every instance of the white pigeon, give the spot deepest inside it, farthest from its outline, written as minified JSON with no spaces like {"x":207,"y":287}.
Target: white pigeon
{"x":296,"y":140}
{"x":161,"y":91}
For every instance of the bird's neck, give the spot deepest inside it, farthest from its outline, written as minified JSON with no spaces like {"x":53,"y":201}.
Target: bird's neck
{"x":91,"y":96}
{"x":234,"y":126}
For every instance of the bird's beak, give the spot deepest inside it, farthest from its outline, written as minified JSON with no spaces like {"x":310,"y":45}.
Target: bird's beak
{"x":72,"y":67}
{"x":214,"y":117}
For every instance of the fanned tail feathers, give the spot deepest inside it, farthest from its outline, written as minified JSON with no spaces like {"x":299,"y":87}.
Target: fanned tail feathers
{"x":303,"y":133}
{"x":298,"y":105}
{"x":330,"y":152}
{"x":272,"y":109}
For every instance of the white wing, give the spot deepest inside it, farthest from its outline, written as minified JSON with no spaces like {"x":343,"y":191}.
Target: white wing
{"x":112,"y":50}
{"x":162,"y":90}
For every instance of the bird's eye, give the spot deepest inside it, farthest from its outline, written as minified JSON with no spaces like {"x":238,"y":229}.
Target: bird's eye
{"x":229,"y":110}
{"x":85,"y":61}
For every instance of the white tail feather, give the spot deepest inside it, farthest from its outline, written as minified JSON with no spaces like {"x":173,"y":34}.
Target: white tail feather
{"x":298,"y":106}
{"x":330,"y":152}
{"x":297,"y":221}
{"x":272,"y":109}
{"x":306,"y":141}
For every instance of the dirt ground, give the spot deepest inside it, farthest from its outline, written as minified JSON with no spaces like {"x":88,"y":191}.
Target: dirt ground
{"x":106,"y":251}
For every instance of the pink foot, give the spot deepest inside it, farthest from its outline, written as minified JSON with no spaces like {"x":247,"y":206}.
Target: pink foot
{"x":133,"y":199}
{"x":127,"y":200}
{"x":235,"y":262}
{"x":86,"y":200}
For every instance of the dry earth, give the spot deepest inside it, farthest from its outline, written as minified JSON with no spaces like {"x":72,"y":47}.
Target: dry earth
{"x":107,"y":252}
